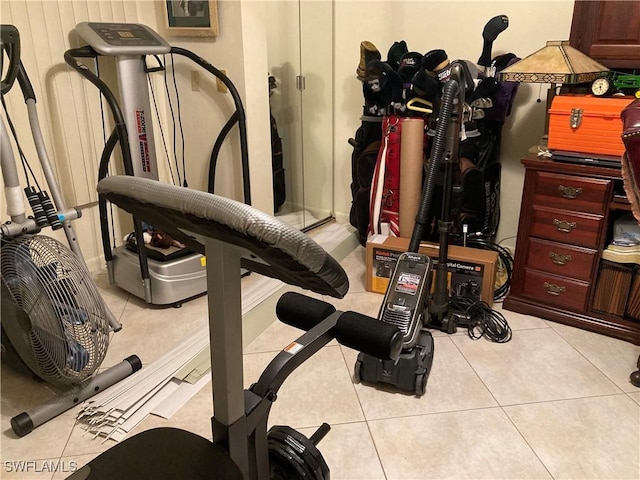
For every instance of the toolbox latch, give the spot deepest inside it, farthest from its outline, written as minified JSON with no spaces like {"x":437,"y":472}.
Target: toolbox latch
{"x":575,"y":119}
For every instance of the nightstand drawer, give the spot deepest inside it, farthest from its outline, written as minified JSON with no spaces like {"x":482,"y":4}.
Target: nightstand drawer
{"x":560,"y":259}
{"x":551,"y":289}
{"x":566,"y":226}
{"x":581,"y":194}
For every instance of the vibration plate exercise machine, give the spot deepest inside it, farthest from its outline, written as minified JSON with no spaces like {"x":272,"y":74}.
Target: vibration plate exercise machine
{"x":158,"y":278}
{"x":232,"y":235}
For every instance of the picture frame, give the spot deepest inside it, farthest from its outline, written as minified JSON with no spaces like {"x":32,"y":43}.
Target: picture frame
{"x":192,"y":18}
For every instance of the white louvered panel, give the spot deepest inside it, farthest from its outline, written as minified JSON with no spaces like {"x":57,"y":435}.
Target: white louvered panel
{"x":118,"y":13}
{"x":87,"y":124}
{"x":106,"y":12}
{"x":131,"y":10}
{"x":93,"y":11}
{"x":65,"y":115}
{"x":17,"y":108}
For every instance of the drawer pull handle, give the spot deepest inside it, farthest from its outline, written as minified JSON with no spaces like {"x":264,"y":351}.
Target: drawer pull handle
{"x":564,"y":226}
{"x":570,"y":192}
{"x":553,"y":289}
{"x":559,"y":258}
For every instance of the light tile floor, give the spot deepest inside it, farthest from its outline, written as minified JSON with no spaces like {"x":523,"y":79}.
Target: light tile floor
{"x":555,"y":402}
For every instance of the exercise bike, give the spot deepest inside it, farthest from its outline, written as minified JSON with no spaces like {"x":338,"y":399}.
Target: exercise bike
{"x":233,"y":234}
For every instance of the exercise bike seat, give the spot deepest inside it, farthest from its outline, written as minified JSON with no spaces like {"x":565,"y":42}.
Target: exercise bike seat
{"x":162,"y":453}
{"x":277,"y":249}
{"x":204,"y":223}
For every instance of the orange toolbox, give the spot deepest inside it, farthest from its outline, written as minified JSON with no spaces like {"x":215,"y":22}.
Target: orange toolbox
{"x":587,"y":124}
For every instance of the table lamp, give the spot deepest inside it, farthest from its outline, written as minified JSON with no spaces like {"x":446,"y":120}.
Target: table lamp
{"x":556,"y":63}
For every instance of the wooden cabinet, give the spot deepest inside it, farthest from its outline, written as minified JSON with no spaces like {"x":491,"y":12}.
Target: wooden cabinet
{"x":608,"y":32}
{"x":565,"y":223}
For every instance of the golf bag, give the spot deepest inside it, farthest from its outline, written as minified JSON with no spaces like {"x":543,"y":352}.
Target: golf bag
{"x":384,"y":200}
{"x":366,"y":146}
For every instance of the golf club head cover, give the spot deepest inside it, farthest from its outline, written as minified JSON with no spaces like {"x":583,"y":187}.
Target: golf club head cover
{"x":425,"y":86}
{"x":410,"y":63}
{"x":382,"y":88}
{"x":487,"y":88}
{"x":504,"y":97}
{"x":492,"y":29}
{"x":436,"y":63}
{"x":396,"y":51}
{"x":500,"y":62}
{"x":368,"y":52}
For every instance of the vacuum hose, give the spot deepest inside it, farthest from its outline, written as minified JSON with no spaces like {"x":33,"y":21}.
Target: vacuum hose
{"x":449,"y":93}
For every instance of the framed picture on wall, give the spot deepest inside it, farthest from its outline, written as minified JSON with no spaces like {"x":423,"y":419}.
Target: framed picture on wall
{"x":194,"y":18}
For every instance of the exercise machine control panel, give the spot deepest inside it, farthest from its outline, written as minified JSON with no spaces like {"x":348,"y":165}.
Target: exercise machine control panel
{"x":122,"y":39}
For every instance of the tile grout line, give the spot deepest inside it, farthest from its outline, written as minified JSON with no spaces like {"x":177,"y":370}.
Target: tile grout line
{"x":504,"y":412}
{"x":366,"y":420}
{"x":559,"y":333}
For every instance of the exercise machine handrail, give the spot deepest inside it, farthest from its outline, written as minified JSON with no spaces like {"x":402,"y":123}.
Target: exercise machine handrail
{"x":120,"y":130}
{"x":237,"y":117}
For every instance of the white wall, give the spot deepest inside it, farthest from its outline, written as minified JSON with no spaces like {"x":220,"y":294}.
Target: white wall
{"x":455,"y":26}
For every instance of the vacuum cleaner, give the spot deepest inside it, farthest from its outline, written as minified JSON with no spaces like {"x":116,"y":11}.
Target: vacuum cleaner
{"x":408,"y":303}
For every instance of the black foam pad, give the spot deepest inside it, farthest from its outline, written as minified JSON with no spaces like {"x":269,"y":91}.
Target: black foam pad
{"x":301,"y":311}
{"x":369,"y":335}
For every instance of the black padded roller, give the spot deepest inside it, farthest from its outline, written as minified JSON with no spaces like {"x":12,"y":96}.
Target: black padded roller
{"x":369,"y":335}
{"x":301,"y":311}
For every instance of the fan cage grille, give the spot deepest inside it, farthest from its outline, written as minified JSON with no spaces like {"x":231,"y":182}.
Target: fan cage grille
{"x":63,"y":333}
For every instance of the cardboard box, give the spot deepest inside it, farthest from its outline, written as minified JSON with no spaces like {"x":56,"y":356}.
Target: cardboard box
{"x":471,"y":270}
{"x":587,"y":124}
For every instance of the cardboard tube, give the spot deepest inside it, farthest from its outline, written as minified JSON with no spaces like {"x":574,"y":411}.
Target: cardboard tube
{"x":411,"y":164}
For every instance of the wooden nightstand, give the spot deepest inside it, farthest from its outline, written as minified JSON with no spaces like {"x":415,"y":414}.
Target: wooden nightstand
{"x":565,"y":223}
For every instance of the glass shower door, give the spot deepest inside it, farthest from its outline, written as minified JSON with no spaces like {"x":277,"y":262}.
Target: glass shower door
{"x":300,"y":57}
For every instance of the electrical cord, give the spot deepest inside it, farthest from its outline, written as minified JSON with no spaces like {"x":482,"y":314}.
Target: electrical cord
{"x":505,"y":261}
{"x":482,"y":320}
